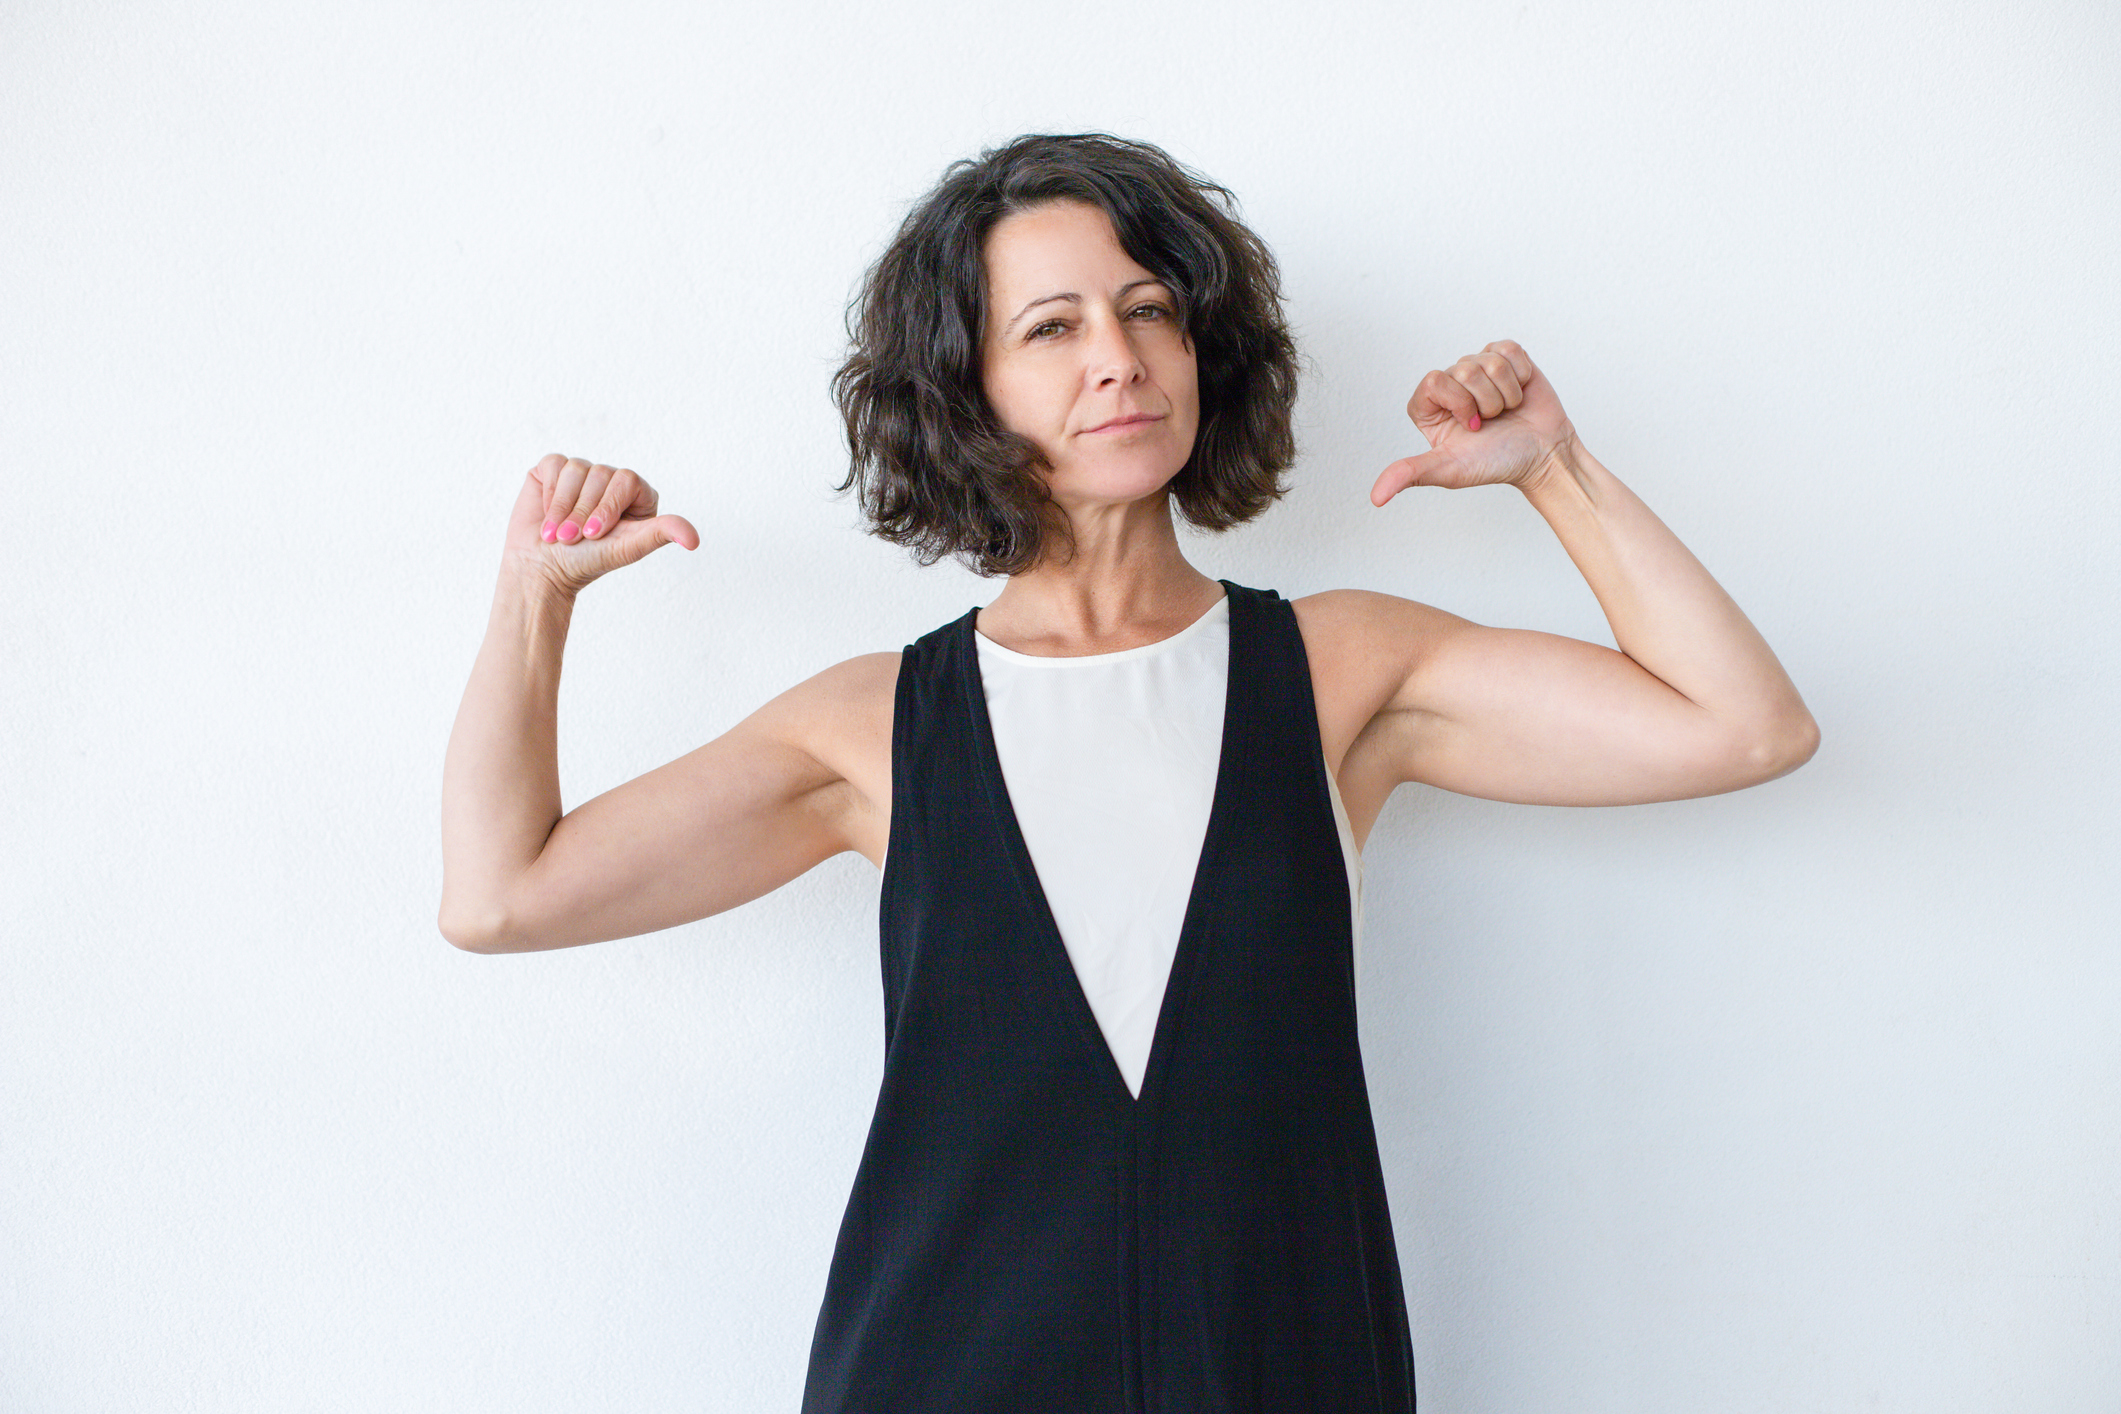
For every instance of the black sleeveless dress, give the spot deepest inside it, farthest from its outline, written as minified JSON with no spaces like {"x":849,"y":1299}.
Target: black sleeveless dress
{"x":1024,"y":1235}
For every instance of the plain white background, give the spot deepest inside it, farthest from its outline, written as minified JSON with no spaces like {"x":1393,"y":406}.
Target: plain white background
{"x":1799,"y":1098}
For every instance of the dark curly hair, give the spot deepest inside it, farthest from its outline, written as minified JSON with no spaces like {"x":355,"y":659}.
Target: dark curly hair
{"x":935,"y":470}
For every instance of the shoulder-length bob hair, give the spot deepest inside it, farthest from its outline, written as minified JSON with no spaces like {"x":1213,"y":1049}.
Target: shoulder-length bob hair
{"x":934,"y":468}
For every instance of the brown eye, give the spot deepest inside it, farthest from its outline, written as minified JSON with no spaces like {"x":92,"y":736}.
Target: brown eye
{"x":1038,"y":330}
{"x":1154,"y":311}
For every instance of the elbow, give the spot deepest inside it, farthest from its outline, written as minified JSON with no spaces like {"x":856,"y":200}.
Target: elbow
{"x":1781,"y":748}
{"x":472,"y":931}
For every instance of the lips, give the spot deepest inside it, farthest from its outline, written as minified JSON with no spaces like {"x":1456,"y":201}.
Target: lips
{"x":1132,"y":419}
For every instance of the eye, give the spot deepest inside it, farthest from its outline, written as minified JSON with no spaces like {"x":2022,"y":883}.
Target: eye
{"x":1038,"y":331}
{"x":1154,"y":311}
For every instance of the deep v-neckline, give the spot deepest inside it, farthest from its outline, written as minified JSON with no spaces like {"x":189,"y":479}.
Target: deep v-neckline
{"x":1054,"y":947}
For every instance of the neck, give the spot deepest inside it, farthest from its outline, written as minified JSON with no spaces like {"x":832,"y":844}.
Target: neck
{"x":1126,"y":584}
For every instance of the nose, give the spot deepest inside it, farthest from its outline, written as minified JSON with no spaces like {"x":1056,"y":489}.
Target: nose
{"x":1110,"y":356}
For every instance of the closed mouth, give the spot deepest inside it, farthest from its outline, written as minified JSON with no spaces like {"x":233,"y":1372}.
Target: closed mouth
{"x":1132,"y":420}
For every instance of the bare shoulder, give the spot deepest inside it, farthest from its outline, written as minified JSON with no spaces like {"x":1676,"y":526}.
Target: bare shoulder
{"x":840,"y":717}
{"x":1363,"y":647}
{"x":1342,"y":618}
{"x":853,"y":687}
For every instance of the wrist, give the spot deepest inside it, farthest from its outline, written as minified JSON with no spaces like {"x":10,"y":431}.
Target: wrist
{"x":1564,"y":472}
{"x":529,"y":578}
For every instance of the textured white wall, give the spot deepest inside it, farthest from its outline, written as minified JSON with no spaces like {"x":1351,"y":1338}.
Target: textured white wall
{"x":1801,"y":1098}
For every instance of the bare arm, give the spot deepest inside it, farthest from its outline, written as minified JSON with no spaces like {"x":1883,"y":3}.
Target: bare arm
{"x":1693,"y":703}
{"x":716,"y":828}
{"x":501,"y":776}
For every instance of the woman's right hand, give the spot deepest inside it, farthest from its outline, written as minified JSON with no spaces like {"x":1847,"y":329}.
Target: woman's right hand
{"x":575,"y":520}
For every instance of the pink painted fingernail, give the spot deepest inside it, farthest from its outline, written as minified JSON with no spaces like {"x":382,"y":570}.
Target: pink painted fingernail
{"x":569,"y":530}
{"x":546,"y":533}
{"x":594,"y":525}
{"x":1474,"y":424}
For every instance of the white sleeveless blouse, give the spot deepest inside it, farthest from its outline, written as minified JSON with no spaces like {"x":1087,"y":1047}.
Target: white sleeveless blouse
{"x":1111,"y":761}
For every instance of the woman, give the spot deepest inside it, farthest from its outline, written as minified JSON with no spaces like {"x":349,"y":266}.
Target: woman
{"x":1122,"y":1155}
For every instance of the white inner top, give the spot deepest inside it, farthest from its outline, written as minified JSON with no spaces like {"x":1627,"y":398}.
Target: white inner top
{"x":1111,"y":761}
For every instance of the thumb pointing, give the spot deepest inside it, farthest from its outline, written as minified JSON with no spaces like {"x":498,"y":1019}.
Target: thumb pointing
{"x":633,"y":540}
{"x":1407,"y":471}
{"x":677,"y":530}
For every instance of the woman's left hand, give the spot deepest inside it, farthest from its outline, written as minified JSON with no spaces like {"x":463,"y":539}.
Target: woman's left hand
{"x":1491,"y":419}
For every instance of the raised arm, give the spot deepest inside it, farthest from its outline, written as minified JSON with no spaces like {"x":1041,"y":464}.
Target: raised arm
{"x":716,"y":828}
{"x":1693,"y":703}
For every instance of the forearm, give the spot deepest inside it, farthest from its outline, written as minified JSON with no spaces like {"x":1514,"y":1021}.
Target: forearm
{"x":500,"y":779}
{"x":1666,"y":611}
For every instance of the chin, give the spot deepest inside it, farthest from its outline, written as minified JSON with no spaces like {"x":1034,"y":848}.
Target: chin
{"x":1110,"y":484}
{"x":1131,"y":475}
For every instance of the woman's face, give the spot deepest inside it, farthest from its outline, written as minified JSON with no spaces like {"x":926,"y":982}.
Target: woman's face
{"x":1084,"y":354}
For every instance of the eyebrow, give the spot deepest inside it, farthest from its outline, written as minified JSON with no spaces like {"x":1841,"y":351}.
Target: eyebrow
{"x":1076,"y":298}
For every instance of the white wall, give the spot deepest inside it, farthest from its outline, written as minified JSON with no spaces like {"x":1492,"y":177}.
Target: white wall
{"x":1800,"y":1098}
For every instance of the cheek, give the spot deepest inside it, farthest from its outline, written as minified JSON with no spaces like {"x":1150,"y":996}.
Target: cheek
{"x":1184,"y":384}
{"x":1012,"y":401}
{"x":1030,"y":406}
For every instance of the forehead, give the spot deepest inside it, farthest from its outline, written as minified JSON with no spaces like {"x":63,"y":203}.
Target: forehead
{"x":1059,"y":247}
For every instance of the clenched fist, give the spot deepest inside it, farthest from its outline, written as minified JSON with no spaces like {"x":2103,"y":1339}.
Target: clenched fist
{"x":576,"y":520}
{"x":1491,"y":418}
